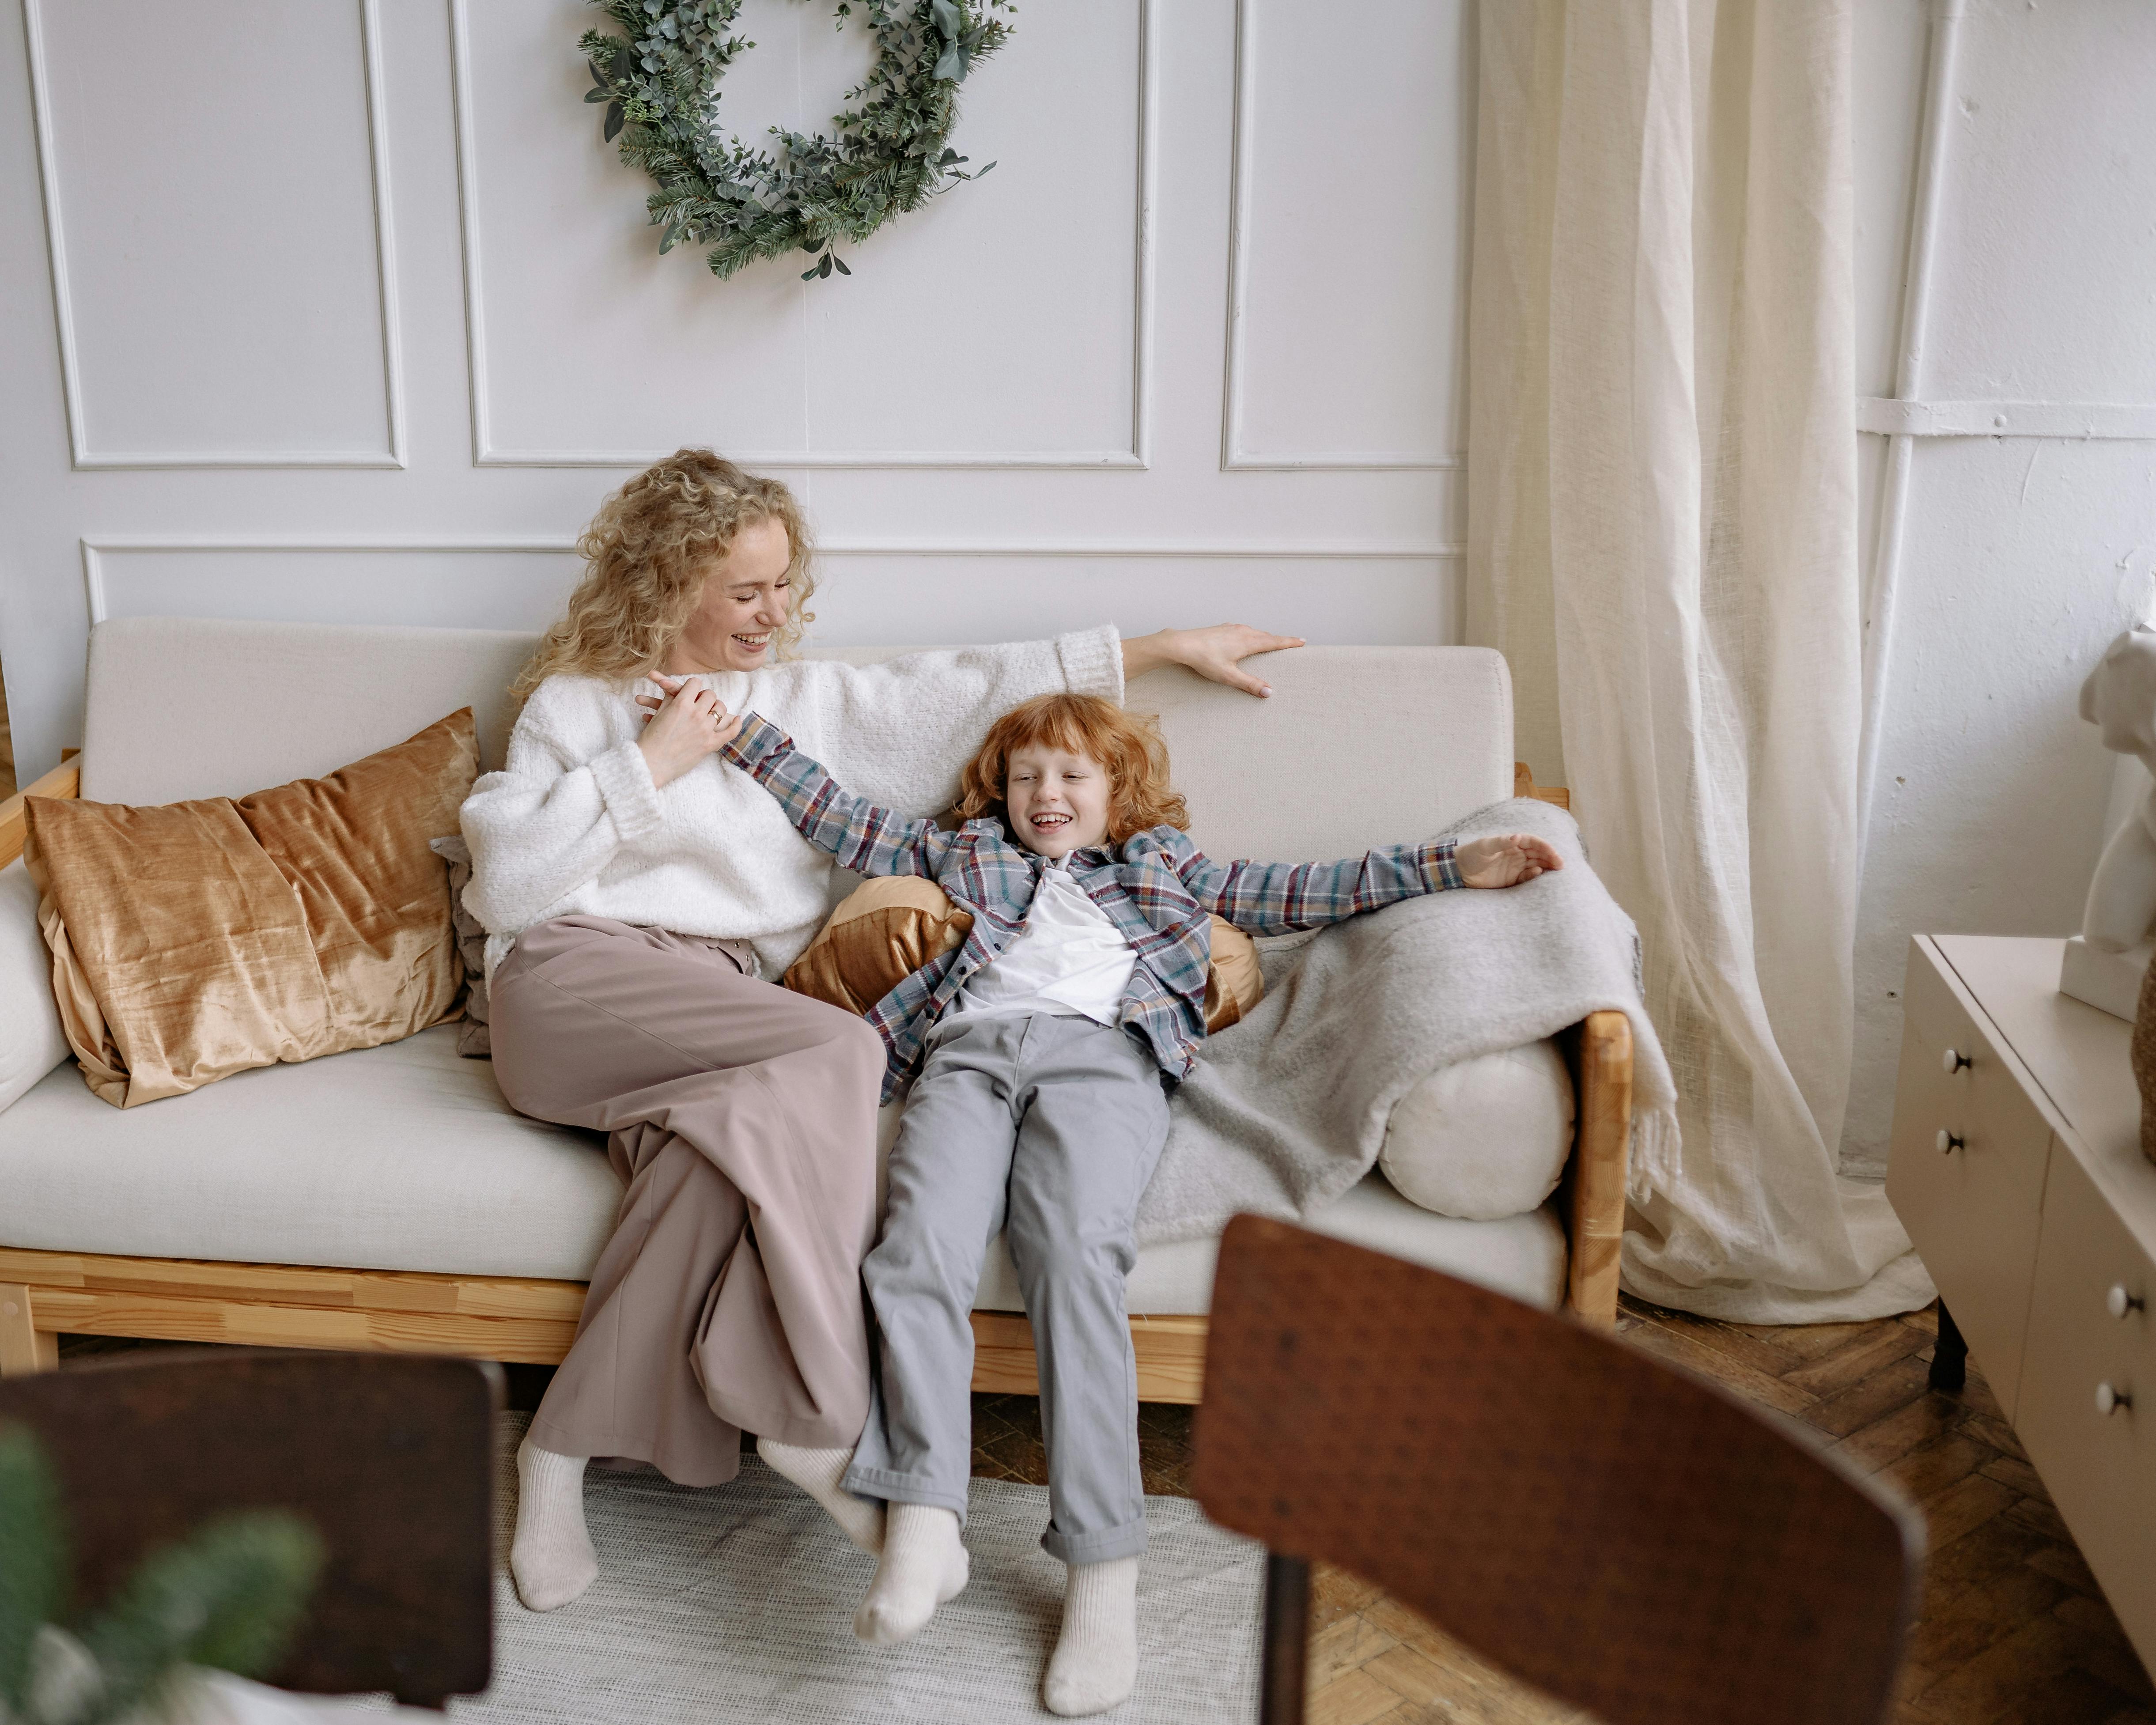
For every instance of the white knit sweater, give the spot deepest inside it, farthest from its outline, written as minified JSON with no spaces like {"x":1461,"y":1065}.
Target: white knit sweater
{"x":573,"y":823}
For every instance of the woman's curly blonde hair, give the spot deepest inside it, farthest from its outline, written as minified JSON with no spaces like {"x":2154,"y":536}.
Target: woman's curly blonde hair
{"x":1127,"y":746}
{"x":646,"y":553}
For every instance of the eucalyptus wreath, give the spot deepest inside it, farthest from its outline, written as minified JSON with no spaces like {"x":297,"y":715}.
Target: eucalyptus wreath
{"x":890,"y":151}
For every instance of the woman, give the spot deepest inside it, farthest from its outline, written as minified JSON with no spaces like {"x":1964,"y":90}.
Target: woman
{"x":642,"y":899}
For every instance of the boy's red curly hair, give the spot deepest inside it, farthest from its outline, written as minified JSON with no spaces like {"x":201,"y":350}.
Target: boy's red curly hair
{"x":1126,"y":745}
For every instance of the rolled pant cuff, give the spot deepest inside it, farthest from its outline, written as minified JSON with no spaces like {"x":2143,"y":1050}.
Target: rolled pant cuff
{"x":1127,"y":1541}
{"x":880,"y":1482}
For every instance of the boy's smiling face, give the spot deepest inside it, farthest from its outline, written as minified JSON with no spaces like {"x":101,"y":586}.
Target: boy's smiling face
{"x":1058,"y":800}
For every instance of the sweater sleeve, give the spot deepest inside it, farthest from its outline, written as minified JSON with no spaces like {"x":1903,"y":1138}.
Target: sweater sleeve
{"x":547,"y":823}
{"x":900,"y":732}
{"x":868,"y":839}
{"x":1279,"y":898}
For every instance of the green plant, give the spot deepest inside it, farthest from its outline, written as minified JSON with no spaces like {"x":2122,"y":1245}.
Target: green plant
{"x":890,"y":151}
{"x":228,"y":1596}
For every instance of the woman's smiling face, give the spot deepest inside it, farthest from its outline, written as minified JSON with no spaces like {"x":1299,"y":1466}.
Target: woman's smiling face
{"x":746,"y":595}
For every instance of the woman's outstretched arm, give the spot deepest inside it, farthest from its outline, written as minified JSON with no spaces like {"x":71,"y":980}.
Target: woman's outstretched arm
{"x":899,"y":731}
{"x":1216,"y":653}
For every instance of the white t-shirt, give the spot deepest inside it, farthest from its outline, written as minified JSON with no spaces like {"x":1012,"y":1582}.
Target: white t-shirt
{"x":1070,"y":957}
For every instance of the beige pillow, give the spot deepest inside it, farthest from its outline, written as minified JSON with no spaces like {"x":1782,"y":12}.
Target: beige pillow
{"x":890,"y":928}
{"x":191,"y":941}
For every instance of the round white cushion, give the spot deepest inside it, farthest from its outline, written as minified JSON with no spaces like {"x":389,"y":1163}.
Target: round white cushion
{"x":1483,"y":1138}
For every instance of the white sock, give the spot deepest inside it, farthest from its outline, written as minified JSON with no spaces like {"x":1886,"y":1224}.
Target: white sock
{"x":818,"y":1472}
{"x":1096,"y":1663}
{"x":924,"y":1564}
{"x":552,"y":1556}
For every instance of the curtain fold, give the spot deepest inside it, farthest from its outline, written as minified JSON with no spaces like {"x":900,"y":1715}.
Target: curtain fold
{"x":1662,"y":541}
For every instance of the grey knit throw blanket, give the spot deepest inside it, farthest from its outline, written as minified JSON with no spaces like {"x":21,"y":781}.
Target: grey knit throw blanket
{"x":1286,"y":1110}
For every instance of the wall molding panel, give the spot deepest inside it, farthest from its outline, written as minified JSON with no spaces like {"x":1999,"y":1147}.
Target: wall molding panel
{"x":83,"y":453}
{"x":1236,"y":457}
{"x":95,"y":550}
{"x":488,"y":451}
{"x":2080,"y":421}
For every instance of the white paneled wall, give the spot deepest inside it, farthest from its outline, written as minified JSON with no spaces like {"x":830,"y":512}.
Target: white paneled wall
{"x":1323,"y":371}
{"x":2020,"y":555}
{"x":1192,"y":351}
{"x":174,"y":296}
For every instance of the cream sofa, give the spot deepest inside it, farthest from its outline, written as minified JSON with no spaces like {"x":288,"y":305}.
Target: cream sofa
{"x":390,"y":1198}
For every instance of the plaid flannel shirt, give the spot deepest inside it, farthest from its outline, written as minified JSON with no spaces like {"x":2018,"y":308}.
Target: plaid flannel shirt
{"x":1157,"y":887}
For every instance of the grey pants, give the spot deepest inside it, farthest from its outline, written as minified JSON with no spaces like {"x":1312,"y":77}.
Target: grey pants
{"x":1048,"y":1128}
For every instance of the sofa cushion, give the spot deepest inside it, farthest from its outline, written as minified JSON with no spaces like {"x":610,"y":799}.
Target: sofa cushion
{"x":403,"y":1157}
{"x":32,"y":1041}
{"x":406,"y":1157}
{"x":182,"y":707}
{"x":1483,"y":1138}
{"x":1432,"y":730}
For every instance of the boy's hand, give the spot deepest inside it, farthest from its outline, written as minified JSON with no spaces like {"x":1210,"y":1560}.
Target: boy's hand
{"x":1508,"y":859}
{"x":691,"y":723}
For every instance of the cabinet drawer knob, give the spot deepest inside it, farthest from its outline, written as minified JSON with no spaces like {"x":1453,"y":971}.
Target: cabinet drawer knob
{"x":1953,"y":1060}
{"x":2109,"y":1400}
{"x":2118,"y":1302}
{"x":1948,"y":1143}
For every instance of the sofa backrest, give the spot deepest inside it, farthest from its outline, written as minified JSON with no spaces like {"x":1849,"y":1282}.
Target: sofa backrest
{"x":1359,"y":746}
{"x":179,"y":707}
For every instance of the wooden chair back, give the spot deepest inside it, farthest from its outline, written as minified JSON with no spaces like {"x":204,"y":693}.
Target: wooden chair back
{"x":1621,"y":1536}
{"x":390,"y":1456}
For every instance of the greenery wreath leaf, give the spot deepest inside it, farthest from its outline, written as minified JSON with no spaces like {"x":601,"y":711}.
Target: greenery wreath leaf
{"x":889,"y":152}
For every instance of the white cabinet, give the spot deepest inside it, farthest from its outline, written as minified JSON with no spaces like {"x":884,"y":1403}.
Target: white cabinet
{"x":2016,"y":1167}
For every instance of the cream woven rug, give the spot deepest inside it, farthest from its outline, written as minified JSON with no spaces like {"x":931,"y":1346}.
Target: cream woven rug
{"x":737,"y":1604}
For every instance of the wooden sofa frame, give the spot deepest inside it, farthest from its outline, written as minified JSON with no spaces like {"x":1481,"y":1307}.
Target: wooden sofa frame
{"x":44,"y":1295}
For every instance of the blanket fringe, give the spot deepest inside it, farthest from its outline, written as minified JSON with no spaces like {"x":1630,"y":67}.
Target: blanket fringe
{"x":1656,"y":1154}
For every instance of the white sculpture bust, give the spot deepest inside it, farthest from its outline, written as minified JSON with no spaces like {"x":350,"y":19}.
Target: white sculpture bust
{"x":2105,"y":964}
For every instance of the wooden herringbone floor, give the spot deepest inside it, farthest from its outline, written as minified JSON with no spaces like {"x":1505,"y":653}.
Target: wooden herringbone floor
{"x":2015,"y":1630}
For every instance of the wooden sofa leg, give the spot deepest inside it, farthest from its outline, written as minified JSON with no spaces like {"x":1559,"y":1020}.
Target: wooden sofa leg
{"x":24,"y":1347}
{"x":1601,"y":1153}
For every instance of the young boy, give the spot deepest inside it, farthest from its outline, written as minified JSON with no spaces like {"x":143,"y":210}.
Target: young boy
{"x":1045,"y":1044}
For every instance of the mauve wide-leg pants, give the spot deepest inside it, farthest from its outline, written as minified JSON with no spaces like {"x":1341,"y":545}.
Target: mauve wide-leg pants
{"x":742,"y":1117}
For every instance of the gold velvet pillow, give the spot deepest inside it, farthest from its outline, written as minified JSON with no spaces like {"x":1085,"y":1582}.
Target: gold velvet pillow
{"x":889,"y":928}
{"x":1234,"y":984}
{"x":191,"y":941}
{"x":884,"y":932}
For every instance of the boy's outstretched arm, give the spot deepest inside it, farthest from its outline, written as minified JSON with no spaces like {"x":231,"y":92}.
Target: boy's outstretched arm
{"x":1279,"y":898}
{"x":865,"y":837}
{"x":1505,"y":860}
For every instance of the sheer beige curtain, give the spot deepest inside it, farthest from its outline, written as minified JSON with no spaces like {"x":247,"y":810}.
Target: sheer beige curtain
{"x":1662,"y":541}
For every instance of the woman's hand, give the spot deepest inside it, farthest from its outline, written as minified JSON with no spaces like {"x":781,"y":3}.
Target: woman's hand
{"x":1508,"y":860}
{"x":1215,"y":654}
{"x":690,"y":723}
